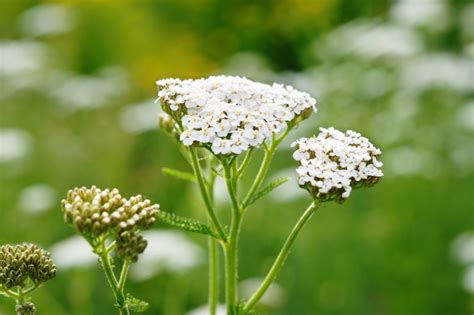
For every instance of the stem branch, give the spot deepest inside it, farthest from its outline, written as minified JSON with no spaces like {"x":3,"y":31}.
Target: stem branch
{"x":282,"y":255}
{"x":205,"y":194}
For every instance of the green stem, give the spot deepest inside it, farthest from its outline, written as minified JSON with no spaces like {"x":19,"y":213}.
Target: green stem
{"x":269,"y":152}
{"x":123,"y":275}
{"x":213,"y":276}
{"x":30,"y":289}
{"x":231,"y":248}
{"x":8,"y":292}
{"x":282,"y":255}
{"x":112,"y":280}
{"x":205,"y":194}
{"x":260,"y":176}
{"x":244,"y":163}
{"x":213,"y":253}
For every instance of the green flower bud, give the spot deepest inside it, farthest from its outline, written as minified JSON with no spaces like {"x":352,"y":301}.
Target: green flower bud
{"x":18,"y":263}
{"x":95,"y":212}
{"x":89,"y":209}
{"x":130,"y":245}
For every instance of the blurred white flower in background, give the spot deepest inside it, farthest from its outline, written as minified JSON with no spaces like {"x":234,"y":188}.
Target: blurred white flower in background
{"x":37,"y":198}
{"x":21,"y":64}
{"x":79,"y":92}
{"x":468,"y":281}
{"x":47,"y":19}
{"x":73,"y":252}
{"x":465,"y":116}
{"x":204,"y":310}
{"x":463,"y":251}
{"x":167,"y":250}
{"x":369,"y":40}
{"x":408,"y":161}
{"x":249,"y":64}
{"x":21,"y":57}
{"x":463,"y":248}
{"x":432,"y":14}
{"x":14,"y":144}
{"x":438,"y":70}
{"x":274,"y":296}
{"x":140,"y":117}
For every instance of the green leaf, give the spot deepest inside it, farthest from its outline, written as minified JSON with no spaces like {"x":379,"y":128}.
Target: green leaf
{"x":135,"y":305}
{"x":179,"y":174}
{"x":186,"y":224}
{"x":267,"y":189}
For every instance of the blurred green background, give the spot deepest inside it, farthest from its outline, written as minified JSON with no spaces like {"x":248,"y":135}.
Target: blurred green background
{"x":77,"y":85}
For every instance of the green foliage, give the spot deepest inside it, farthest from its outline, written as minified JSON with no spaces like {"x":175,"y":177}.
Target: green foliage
{"x":185,"y":224}
{"x":135,"y":305}
{"x":179,"y":174}
{"x":267,"y":189}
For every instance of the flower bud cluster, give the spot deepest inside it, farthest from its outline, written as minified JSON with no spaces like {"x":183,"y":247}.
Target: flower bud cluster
{"x":231,"y":114}
{"x":333,"y":163}
{"x":26,"y":308}
{"x":18,"y":263}
{"x":95,"y":212}
{"x":130,"y":245}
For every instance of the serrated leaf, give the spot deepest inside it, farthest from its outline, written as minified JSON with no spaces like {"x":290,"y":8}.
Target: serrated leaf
{"x":135,"y":305}
{"x":267,"y":189}
{"x":186,"y":224}
{"x":179,"y":174}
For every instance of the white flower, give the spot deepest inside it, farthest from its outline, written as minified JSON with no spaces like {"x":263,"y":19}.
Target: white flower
{"x":333,"y":162}
{"x":231,"y":114}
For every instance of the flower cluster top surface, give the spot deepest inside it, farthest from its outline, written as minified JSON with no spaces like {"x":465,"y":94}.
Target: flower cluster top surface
{"x":333,"y":162}
{"x":231,"y":114}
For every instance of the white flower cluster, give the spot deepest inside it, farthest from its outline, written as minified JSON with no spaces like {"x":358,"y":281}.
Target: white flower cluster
{"x":333,"y":162}
{"x":231,"y":114}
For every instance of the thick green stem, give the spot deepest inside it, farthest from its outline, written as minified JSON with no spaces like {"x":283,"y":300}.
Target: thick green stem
{"x":205,"y":194}
{"x":282,"y":255}
{"x":213,"y":298}
{"x":231,"y":248}
{"x":213,"y":276}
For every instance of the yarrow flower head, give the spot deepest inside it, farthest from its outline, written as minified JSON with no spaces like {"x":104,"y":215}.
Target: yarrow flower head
{"x":334,"y":162}
{"x":24,"y":262}
{"x":229,"y":114}
{"x":95,"y":213}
